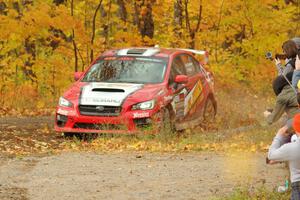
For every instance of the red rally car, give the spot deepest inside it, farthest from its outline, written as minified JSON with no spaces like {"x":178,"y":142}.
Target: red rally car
{"x":138,"y":90}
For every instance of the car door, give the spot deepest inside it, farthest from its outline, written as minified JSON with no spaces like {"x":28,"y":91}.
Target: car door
{"x":195,"y":98}
{"x":179,"y":91}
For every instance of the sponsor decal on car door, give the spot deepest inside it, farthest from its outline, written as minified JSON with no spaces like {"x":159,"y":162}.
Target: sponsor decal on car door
{"x":193,"y":99}
{"x":178,"y":103}
{"x":186,"y":102}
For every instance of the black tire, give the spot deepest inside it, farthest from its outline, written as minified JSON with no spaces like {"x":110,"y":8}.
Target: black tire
{"x":81,"y":136}
{"x":210,"y":110}
{"x":68,"y":135}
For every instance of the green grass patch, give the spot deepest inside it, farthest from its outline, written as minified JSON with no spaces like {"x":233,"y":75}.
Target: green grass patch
{"x":258,"y":194}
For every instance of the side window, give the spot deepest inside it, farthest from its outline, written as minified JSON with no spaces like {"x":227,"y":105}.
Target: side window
{"x":196,"y":64}
{"x":204,"y":72}
{"x":176,"y":69}
{"x":189,"y":64}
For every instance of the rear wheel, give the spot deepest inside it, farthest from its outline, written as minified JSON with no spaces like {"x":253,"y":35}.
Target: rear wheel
{"x":210,"y":110}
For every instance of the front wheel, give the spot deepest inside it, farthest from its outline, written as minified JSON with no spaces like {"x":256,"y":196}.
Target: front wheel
{"x":166,"y":125}
{"x":68,"y":134}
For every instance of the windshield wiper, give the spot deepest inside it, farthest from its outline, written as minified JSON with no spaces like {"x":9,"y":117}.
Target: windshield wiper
{"x":124,"y":81}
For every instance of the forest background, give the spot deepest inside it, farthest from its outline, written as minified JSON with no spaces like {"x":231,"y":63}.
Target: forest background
{"x":43,"y":42}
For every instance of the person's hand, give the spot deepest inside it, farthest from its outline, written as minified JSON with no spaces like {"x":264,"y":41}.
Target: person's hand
{"x":273,"y":162}
{"x":283,"y":131}
{"x":277,"y":61}
{"x":297,"y":63}
{"x":267,"y":113}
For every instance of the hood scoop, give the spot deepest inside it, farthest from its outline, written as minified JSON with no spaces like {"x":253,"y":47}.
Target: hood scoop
{"x":107,"y":90}
{"x":106,"y":94}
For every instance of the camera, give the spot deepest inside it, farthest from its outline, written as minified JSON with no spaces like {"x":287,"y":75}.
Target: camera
{"x":277,"y":56}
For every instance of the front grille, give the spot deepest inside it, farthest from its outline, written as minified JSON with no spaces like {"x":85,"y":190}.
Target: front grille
{"x":106,"y":111}
{"x":92,"y":126}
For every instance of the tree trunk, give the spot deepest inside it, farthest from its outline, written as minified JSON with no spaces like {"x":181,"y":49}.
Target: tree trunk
{"x":75,"y":51}
{"x":104,"y":26}
{"x":122,"y":10}
{"x":192,"y":31}
{"x":144,"y":18}
{"x":29,"y":46}
{"x":30,"y":49}
{"x":86,"y":27}
{"x":218,"y":29}
{"x":59,"y":2}
{"x":73,"y":40}
{"x":178,"y":13}
{"x":177,"y":22}
{"x":94,"y":30}
{"x":3,"y":8}
{"x":108,"y":24}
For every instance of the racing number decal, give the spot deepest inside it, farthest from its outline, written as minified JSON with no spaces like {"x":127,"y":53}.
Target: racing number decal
{"x":193,"y":98}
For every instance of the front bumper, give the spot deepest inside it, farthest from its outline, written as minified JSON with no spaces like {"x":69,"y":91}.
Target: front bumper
{"x":70,"y":120}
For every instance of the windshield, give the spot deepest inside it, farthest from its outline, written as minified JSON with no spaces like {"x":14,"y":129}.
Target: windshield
{"x":127,"y":70}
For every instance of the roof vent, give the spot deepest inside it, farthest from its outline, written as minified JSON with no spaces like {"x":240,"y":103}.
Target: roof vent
{"x":138,"y":52}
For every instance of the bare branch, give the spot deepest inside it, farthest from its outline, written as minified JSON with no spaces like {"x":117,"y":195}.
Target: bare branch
{"x":73,"y":40}
{"x":199,"y":17}
{"x":187,"y":18}
{"x":94,"y":29}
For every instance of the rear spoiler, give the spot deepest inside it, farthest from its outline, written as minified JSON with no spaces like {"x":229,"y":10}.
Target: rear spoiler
{"x":199,"y":52}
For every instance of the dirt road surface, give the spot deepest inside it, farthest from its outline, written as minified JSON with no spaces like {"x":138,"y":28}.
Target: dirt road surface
{"x":133,"y":176}
{"x":123,"y":175}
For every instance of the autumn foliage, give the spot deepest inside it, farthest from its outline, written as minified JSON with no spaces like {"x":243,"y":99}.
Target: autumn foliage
{"x":42,"y":42}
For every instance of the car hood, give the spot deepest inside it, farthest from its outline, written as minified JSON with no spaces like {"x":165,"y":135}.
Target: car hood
{"x":148,"y":92}
{"x":90,"y":93}
{"x":106,"y":94}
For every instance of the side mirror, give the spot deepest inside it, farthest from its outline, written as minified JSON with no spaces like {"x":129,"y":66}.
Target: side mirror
{"x":182,"y":79}
{"x":77,"y":75}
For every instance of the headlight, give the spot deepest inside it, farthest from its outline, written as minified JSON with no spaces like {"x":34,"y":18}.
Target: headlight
{"x":147,"y":105}
{"x":65,"y":102}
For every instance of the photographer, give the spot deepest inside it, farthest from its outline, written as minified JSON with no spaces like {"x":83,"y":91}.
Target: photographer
{"x":283,"y":150}
{"x":290,"y":50}
{"x":286,"y":100}
{"x":284,"y":84}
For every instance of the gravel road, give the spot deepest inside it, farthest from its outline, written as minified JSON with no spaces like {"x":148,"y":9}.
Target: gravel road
{"x":133,"y":175}
{"x":124,"y":175}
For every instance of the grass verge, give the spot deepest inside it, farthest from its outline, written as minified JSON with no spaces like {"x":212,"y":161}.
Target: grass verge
{"x":255,"y":194}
